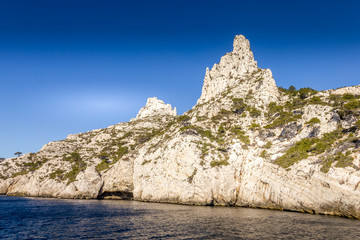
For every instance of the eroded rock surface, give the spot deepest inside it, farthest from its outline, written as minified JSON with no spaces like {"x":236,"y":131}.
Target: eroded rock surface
{"x":245,"y":143}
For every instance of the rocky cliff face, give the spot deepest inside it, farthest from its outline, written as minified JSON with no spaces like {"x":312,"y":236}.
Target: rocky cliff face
{"x":231,"y":68}
{"x":245,"y":143}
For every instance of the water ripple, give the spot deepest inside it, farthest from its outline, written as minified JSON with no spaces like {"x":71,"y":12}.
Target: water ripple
{"x":37,"y":218}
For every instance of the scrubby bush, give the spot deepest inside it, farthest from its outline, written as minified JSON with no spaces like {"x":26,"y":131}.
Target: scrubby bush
{"x":268,"y":145}
{"x":313,"y":121}
{"x":348,"y":96}
{"x":316,"y":100}
{"x":78,"y":165}
{"x":148,"y":136}
{"x":240,"y":134}
{"x":296,"y":153}
{"x":223,"y":162}
{"x":254,"y":112}
{"x":238,"y":105}
{"x":304,"y":147}
{"x":273,"y":108}
{"x":357,"y":123}
{"x":183,"y":118}
{"x":282,"y":119}
{"x":204,"y":133}
{"x":306,"y":92}
{"x":57,"y":174}
{"x":221,"y":129}
{"x":254,"y":126}
{"x":263,"y":154}
{"x":352,"y":105}
{"x":342,"y":160}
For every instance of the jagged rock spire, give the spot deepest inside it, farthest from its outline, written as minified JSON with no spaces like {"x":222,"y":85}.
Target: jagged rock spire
{"x":155,"y":107}
{"x":229,"y":70}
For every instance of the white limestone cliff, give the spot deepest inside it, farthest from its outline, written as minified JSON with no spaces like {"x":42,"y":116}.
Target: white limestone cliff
{"x":155,"y":107}
{"x":225,"y":151}
{"x":229,"y":71}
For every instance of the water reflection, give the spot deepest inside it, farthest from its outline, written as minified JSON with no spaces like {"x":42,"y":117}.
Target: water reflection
{"x":106,"y":219}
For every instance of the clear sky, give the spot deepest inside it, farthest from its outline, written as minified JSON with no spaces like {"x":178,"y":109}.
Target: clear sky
{"x":73,"y":66}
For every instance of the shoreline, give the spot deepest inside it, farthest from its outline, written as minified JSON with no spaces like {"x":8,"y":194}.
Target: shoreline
{"x":182,"y":204}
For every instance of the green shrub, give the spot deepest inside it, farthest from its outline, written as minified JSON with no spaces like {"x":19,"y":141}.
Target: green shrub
{"x":21,"y":172}
{"x":221,"y":129}
{"x":148,"y":136}
{"x":303,"y":93}
{"x":223,"y":113}
{"x":304,"y":147}
{"x":352,"y":105}
{"x":342,"y":161}
{"x":191,"y":178}
{"x":295,"y":104}
{"x":268,"y":145}
{"x":78,"y":165}
{"x":250,"y":95}
{"x":348,"y":96}
{"x":282,"y":119}
{"x":74,"y":156}
{"x":357,"y":123}
{"x":264,"y":154}
{"x":240,"y":134}
{"x":102,"y":165}
{"x":126,"y":135}
{"x":76,"y":169}
{"x":254,"y":112}
{"x":223,"y":162}
{"x":254,"y":126}
{"x":238,"y":104}
{"x":326,"y":141}
{"x":306,"y":92}
{"x":313,"y":121}
{"x":205,"y":149}
{"x":58,"y":173}
{"x":122,"y":151}
{"x":204,"y":133}
{"x":145,"y":162}
{"x":326,"y":164}
{"x":273,"y":108}
{"x":183,"y":118}
{"x":316,"y":100}
{"x":296,"y":153}
{"x":336,"y":99}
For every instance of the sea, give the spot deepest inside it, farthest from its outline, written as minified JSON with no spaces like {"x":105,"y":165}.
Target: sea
{"x":43,"y":218}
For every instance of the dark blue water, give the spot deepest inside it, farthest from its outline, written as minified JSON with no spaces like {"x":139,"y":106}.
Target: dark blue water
{"x":36,"y":218}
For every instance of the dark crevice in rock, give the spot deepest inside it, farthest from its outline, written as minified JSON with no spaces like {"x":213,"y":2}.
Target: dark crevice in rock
{"x":335,"y":117}
{"x":124,"y":195}
{"x":348,"y":130}
{"x":266,"y":134}
{"x":356,"y":142}
{"x":239,"y":110}
{"x":289,"y":131}
{"x":314,"y":132}
{"x":190,"y":132}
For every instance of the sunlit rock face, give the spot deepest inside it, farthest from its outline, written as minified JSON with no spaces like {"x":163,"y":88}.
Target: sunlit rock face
{"x":155,"y":107}
{"x":229,"y":71}
{"x":245,"y":143}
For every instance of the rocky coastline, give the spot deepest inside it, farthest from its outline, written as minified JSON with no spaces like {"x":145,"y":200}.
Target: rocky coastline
{"x":246,"y":143}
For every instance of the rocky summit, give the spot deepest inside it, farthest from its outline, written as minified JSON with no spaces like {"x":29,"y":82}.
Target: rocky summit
{"x":246,"y":143}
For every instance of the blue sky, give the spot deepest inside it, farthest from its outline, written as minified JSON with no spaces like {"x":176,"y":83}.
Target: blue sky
{"x":73,"y":66}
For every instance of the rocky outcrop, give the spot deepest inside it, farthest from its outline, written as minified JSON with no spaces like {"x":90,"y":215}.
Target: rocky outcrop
{"x":229,"y":71}
{"x":155,"y":107}
{"x":245,"y":143}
